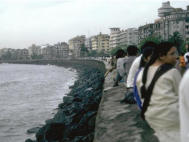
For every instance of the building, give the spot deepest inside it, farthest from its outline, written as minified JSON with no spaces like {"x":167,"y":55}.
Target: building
{"x":48,"y":52}
{"x":88,"y":43}
{"x":14,"y":54}
{"x":171,"y":20}
{"x":120,"y":38}
{"x":128,"y":37}
{"x":61,"y":50}
{"x":94,"y":43}
{"x":145,"y":31}
{"x":34,"y":50}
{"x":22,"y":54}
{"x":114,"y":37}
{"x":100,"y":42}
{"x":75,"y":45}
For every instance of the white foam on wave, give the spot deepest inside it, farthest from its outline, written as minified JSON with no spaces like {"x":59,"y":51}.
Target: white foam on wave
{"x":31,"y":95}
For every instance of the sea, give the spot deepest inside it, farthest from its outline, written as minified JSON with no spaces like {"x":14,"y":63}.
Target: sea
{"x":29,"y":95}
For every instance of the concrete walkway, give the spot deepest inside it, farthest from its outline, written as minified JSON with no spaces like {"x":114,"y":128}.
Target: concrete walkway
{"x":118,"y":122}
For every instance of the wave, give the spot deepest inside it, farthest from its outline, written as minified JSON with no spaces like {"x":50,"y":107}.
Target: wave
{"x":5,"y":84}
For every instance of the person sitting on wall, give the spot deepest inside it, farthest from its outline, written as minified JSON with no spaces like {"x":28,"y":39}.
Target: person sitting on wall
{"x":120,"y":54}
{"x":132,"y":52}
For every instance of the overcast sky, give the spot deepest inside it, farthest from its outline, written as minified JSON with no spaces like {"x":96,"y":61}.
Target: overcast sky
{"x":24,"y":22}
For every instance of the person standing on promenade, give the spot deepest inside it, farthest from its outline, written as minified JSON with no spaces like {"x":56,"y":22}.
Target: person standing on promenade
{"x":184,"y":107}
{"x":158,"y":86}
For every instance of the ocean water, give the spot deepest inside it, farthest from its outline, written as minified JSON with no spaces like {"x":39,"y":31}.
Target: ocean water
{"x":30,"y":94}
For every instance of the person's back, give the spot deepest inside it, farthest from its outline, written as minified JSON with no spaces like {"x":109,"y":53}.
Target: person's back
{"x":120,"y":54}
{"x":132,"y":52}
{"x":128,"y":62}
{"x":120,"y":66}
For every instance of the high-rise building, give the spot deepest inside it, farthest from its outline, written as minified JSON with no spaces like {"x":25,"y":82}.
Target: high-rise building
{"x":34,"y":50}
{"x":171,"y":20}
{"x":114,"y":37}
{"x":88,"y":43}
{"x":128,"y":37}
{"x":100,"y":42}
{"x":75,"y":45}
{"x":62,"y":50}
{"x":119,"y":38}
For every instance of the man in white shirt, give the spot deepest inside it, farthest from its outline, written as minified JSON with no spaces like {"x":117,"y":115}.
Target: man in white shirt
{"x":136,"y":63}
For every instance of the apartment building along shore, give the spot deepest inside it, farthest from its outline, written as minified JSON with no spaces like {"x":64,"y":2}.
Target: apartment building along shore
{"x":170,"y":20}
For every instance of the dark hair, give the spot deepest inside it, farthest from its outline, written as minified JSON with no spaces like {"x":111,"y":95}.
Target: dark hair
{"x":147,"y":50}
{"x":132,"y":50}
{"x":187,"y":57}
{"x":120,"y":53}
{"x":162,"y":49}
{"x":148,"y":44}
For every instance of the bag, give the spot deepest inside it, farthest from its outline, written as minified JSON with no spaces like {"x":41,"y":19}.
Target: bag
{"x":129,"y":98}
{"x":136,"y":95}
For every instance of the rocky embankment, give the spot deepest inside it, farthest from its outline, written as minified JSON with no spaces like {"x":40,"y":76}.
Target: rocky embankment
{"x":75,"y":119}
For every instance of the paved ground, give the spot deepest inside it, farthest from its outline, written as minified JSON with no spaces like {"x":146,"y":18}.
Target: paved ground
{"x":118,"y":122}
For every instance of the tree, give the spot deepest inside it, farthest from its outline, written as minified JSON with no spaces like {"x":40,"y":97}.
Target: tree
{"x":7,"y":56}
{"x":102,"y":53}
{"x":34,"y":56}
{"x":177,"y":39}
{"x":156,"y":39}
{"x":114,"y":50}
{"x":83,"y":51}
{"x":124,"y":47}
{"x":93,"y":53}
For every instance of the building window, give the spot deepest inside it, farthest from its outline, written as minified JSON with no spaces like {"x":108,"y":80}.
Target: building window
{"x":187,"y":20}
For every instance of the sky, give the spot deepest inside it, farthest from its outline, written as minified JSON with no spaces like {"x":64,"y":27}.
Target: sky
{"x":40,"y":22}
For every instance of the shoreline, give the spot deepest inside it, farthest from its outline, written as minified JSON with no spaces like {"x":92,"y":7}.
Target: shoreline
{"x":76,"y":115}
{"x":31,"y":131}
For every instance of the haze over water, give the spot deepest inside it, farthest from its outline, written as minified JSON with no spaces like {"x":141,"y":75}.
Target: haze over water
{"x":29,"y":94}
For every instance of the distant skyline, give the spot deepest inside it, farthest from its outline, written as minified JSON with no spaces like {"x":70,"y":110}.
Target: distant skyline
{"x":27,"y":22}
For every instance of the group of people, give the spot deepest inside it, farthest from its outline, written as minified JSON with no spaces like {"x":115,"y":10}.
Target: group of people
{"x":157,"y":87}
